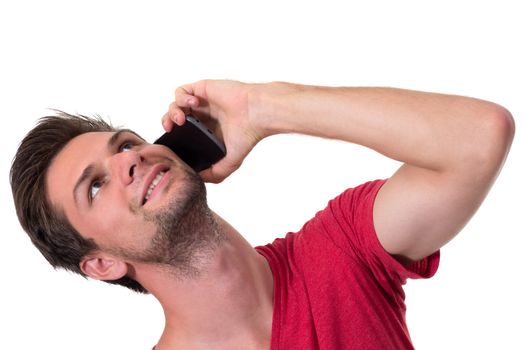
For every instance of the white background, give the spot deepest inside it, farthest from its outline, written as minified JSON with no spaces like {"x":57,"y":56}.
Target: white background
{"x":123,"y":60}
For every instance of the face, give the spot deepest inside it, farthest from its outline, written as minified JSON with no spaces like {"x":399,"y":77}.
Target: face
{"x":136,"y":200}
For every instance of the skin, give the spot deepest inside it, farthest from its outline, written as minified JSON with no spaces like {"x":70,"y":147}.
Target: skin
{"x":452,"y":149}
{"x":119,"y":200}
{"x":222,"y":272}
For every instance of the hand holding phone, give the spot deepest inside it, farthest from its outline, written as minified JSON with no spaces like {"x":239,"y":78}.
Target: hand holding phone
{"x":194,"y":143}
{"x":224,"y":103}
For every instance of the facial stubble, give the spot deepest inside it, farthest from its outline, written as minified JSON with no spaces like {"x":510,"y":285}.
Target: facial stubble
{"x":186,"y":234}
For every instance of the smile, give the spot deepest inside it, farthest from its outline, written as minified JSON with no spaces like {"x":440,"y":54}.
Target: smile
{"x":154,"y":183}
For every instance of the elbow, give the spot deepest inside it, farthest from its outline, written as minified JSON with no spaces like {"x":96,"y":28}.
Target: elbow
{"x":509,"y":127}
{"x":492,"y":142}
{"x":500,"y":130}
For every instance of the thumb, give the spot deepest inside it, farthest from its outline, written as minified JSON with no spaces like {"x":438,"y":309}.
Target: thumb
{"x":218,"y":171}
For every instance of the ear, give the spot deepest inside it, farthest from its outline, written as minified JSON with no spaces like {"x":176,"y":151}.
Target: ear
{"x":103,"y":267}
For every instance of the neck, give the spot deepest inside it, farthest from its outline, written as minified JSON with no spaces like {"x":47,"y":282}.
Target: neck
{"x":227,"y":304}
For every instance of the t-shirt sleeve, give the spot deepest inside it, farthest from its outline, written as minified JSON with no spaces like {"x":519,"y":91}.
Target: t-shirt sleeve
{"x":348,"y":220}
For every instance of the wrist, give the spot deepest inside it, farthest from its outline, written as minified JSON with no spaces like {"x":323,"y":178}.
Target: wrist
{"x":271,"y":106}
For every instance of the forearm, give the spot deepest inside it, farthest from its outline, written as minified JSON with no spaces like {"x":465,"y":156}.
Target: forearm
{"x":452,"y":147}
{"x":427,"y":130}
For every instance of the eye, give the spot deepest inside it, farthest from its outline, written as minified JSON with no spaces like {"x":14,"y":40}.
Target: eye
{"x":126,"y":146}
{"x":94,"y":188}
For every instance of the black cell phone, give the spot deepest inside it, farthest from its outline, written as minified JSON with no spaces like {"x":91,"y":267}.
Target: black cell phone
{"x":194,"y":143}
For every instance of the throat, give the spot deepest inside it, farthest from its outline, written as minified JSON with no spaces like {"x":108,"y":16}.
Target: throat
{"x":229,"y":303}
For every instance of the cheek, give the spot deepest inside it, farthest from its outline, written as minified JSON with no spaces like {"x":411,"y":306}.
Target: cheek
{"x":113,"y":222}
{"x":105,"y":224}
{"x":118,"y":226}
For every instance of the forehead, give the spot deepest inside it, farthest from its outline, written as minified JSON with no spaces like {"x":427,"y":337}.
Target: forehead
{"x":80,"y":149}
{"x":86,"y":148}
{"x":71,"y":160}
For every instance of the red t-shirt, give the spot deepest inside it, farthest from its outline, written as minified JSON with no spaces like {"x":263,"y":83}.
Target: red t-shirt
{"x":335,"y":287}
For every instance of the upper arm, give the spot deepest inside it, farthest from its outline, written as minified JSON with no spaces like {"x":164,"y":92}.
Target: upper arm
{"x":419,"y":210}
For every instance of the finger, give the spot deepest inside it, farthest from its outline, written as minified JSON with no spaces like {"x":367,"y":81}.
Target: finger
{"x":210,"y":176}
{"x":218,"y":171}
{"x":174,"y":115}
{"x":184,"y":97}
{"x":167,"y":122}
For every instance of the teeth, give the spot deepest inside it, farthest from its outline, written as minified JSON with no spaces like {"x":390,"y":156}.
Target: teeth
{"x":153,"y":184}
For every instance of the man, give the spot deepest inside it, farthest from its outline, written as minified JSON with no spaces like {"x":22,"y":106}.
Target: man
{"x":107,"y":205}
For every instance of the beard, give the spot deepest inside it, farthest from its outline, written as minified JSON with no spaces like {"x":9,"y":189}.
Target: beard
{"x":186,"y":234}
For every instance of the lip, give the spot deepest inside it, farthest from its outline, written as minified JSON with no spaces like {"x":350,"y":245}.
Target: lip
{"x":149,"y":179}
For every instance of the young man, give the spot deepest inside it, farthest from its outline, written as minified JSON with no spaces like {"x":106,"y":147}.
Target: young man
{"x":105,"y":204}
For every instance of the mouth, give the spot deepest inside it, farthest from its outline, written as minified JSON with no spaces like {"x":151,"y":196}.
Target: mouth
{"x":153,"y":179}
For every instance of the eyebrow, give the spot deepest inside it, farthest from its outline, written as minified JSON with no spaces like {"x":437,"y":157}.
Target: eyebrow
{"x":87,"y":173}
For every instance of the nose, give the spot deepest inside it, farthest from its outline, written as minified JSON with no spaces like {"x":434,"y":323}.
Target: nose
{"x":124,"y":166}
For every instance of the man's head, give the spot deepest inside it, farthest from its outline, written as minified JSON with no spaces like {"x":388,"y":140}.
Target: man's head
{"x":95,"y":199}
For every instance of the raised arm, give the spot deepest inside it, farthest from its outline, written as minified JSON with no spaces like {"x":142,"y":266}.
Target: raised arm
{"x":452,"y":147}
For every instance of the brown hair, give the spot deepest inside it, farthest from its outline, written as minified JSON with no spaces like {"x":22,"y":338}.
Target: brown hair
{"x":49,"y":229}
